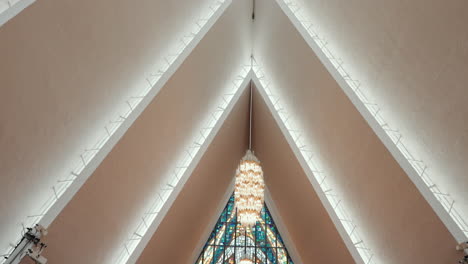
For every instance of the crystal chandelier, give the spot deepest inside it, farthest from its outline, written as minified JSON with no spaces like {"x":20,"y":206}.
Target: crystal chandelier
{"x":249,"y":189}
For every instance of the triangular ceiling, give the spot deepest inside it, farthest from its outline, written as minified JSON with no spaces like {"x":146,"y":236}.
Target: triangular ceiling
{"x":177,"y":239}
{"x":127,"y":181}
{"x":114,"y":199}
{"x":308,"y":231}
{"x":301,"y":211}
{"x":337,"y":136}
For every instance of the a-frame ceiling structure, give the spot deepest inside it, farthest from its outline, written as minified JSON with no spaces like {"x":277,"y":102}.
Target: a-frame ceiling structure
{"x":123,"y":122}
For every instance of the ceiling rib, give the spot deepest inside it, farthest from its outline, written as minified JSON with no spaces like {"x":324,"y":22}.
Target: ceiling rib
{"x":10,"y":8}
{"x":138,"y":240}
{"x":442,"y":204}
{"x":417,"y":170}
{"x":93,"y":156}
{"x":65,"y":188}
{"x":282,"y":228}
{"x":268,"y":200}
{"x":280,"y":224}
{"x":213,"y":220}
{"x":346,"y":227}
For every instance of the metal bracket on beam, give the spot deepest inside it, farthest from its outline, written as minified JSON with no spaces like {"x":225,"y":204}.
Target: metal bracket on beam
{"x":30,"y":246}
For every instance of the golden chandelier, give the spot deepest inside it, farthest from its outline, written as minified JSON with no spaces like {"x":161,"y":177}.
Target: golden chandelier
{"x":249,"y":189}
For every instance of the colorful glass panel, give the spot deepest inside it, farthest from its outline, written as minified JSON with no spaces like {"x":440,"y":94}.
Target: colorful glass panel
{"x":229,"y":242}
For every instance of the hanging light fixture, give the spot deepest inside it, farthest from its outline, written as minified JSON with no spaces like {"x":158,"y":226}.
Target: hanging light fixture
{"x":249,"y":187}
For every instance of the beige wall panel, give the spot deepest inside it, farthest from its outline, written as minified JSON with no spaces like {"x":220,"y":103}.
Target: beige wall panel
{"x":97,"y":220}
{"x":412,"y":58}
{"x":393,"y":217}
{"x":185,"y":224}
{"x":65,"y":66}
{"x":308,"y":223}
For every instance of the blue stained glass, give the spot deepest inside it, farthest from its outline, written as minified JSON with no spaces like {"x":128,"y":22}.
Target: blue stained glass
{"x":261,"y":236}
{"x":230,"y":233}
{"x":223,"y":217}
{"x":219,"y":251}
{"x":229,"y":242}
{"x":219,"y":234}
{"x":268,"y":219}
{"x":271,"y":255}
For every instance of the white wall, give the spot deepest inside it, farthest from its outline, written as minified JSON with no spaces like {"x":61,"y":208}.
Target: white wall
{"x":411,"y":58}
{"x":65,"y":67}
{"x":190,"y":219}
{"x":392,"y":215}
{"x":119,"y":192}
{"x":310,"y":228}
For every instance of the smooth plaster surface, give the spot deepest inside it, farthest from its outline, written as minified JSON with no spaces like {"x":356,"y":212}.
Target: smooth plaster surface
{"x":308,"y":223}
{"x":107,"y":207}
{"x":185,"y":224}
{"x":66,"y":64}
{"x":65,"y":67}
{"x":411,"y":57}
{"x":395,"y":220}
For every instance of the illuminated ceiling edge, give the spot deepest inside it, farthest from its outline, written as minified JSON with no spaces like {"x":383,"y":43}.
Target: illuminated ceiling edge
{"x":252,"y":76}
{"x":282,"y":228}
{"x":115,"y":137}
{"x":214,"y":219}
{"x":448,"y":213}
{"x":188,"y":172}
{"x":59,"y":199}
{"x":14,"y":10}
{"x":310,"y":175}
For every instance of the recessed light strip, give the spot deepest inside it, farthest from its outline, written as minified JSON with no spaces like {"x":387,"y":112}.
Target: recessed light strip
{"x":10,"y":8}
{"x":66,"y":186}
{"x":176,"y":178}
{"x":305,"y":153}
{"x":418,"y":171}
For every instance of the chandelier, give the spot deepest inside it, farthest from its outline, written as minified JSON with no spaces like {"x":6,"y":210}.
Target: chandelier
{"x":249,"y":188}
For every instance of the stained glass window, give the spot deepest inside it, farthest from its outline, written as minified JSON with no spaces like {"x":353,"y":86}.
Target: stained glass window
{"x":229,"y":242}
